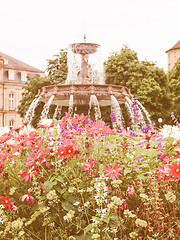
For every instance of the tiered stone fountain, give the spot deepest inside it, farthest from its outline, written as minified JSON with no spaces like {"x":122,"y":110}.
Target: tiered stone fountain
{"x":80,"y":93}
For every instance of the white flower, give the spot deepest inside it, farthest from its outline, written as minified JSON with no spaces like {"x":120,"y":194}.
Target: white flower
{"x":170,"y":197}
{"x":71,"y":189}
{"x":17,"y":224}
{"x":3,"y":130}
{"x":46,"y":122}
{"x":68,"y":217}
{"x":171,"y":131}
{"x":141,"y":222}
{"x":52,"y":195}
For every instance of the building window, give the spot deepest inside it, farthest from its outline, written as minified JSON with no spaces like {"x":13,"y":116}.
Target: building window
{"x":11,"y":101}
{"x":11,"y":124}
{"x":23,"y":76}
{"x":11,"y":75}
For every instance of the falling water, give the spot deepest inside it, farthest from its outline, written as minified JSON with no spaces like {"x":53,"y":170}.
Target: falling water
{"x":57,"y":112}
{"x":74,"y":67}
{"x":70,"y":110}
{"x":145,"y":112}
{"x":46,"y":108}
{"x":128,"y":105}
{"x":94,"y":101}
{"x":117,"y":110}
{"x":30,"y":112}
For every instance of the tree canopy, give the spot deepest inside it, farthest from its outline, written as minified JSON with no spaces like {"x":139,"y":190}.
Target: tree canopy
{"x":174,"y":84}
{"x":147,"y":82}
{"x":56,"y":74}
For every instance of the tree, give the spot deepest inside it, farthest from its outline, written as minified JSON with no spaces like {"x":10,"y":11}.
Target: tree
{"x":147,"y":82}
{"x":56,"y":74}
{"x":174,"y":84}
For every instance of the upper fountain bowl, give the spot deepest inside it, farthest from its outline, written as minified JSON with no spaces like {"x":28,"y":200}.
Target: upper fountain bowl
{"x":84,"y":48}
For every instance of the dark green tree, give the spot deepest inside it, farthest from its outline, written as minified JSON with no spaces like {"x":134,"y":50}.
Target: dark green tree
{"x":56,"y":74}
{"x":147,"y":82}
{"x":174,"y":84}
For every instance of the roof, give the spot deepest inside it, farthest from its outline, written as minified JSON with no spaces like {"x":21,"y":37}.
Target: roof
{"x":176,"y":46}
{"x":13,"y":63}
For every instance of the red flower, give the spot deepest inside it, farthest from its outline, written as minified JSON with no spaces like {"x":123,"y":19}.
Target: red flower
{"x":175,"y":170}
{"x":28,"y":174}
{"x":114,"y":172}
{"x":66,"y":150}
{"x":8,"y":203}
{"x":148,"y":137}
{"x":27,"y":197}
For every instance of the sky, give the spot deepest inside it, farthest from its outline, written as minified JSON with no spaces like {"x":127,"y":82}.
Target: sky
{"x":33,"y":31}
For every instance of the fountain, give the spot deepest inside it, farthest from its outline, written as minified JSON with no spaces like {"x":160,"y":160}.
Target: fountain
{"x":82,"y":92}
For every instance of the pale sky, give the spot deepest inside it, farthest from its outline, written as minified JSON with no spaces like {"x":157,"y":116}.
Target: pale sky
{"x":33,"y":31}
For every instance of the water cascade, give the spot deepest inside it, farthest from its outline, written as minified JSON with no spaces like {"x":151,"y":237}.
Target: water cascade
{"x":46,"y":107}
{"x":30,"y":113}
{"x":70,"y":110}
{"x":145,"y":112}
{"x":94,"y":103}
{"x":57,"y":112}
{"x":117,"y":110}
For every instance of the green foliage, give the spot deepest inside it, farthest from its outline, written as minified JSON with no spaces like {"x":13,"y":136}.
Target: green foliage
{"x":56,"y":74}
{"x":174,"y":84}
{"x":57,"y":68}
{"x":147,"y":82}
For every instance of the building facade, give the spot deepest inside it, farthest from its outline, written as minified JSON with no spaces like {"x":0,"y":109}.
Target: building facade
{"x":13,"y":74}
{"x":173,"y":55}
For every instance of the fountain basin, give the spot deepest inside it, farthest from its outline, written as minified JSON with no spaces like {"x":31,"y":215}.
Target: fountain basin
{"x":84,"y":48}
{"x":82,"y":93}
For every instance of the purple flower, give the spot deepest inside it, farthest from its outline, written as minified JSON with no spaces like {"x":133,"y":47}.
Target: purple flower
{"x":113,"y":117}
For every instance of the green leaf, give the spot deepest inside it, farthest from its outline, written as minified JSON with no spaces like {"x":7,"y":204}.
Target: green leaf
{"x":60,"y":179}
{"x":72,"y":163}
{"x":88,"y":228}
{"x":48,"y":185}
{"x":126,"y":171}
{"x":114,"y":221}
{"x":67,"y":206}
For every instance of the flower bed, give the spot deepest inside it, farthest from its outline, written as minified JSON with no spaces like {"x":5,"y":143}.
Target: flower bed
{"x":71,"y":180}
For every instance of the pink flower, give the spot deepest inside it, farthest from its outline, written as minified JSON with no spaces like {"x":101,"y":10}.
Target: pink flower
{"x":28,"y":174}
{"x":78,"y":119}
{"x":99,"y":127}
{"x":175,"y":170}
{"x":114,"y":172}
{"x":30,"y":161}
{"x":164,"y":158}
{"x":163,"y":172}
{"x":131,"y":190}
{"x":27,"y":197}
{"x":88,"y":165}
